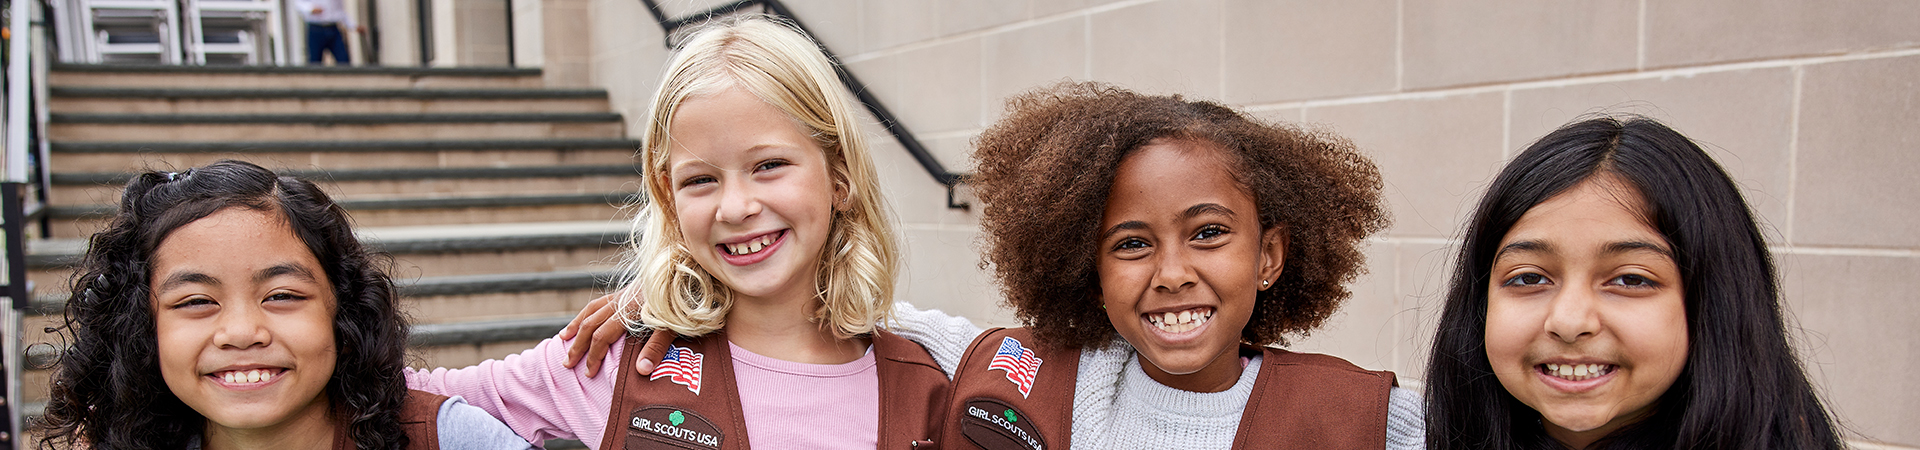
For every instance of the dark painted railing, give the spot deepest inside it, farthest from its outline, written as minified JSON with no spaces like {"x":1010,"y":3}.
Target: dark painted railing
{"x":900,"y":133}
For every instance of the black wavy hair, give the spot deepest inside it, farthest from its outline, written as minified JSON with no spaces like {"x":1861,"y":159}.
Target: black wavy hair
{"x":107,"y":392}
{"x":1742,"y":386}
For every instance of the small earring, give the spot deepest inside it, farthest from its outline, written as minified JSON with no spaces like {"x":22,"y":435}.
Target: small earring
{"x":1265,"y":283}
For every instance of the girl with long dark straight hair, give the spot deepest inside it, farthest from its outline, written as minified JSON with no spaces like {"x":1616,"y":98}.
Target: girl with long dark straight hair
{"x":1614,"y":291}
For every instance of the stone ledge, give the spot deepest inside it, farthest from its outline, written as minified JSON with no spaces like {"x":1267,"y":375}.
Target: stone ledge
{"x":610,"y":199}
{"x":54,"y":304}
{"x":343,"y":146}
{"x":178,"y":93}
{"x":411,"y":173}
{"x":329,"y":119}
{"x":364,"y":70}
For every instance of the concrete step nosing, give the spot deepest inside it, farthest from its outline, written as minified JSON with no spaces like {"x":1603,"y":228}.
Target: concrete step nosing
{"x":58,"y":92}
{"x":70,"y":257}
{"x":610,"y":199}
{"x":508,"y":72}
{"x":325,"y":119}
{"x":522,"y":282}
{"x":55,"y":303}
{"x":343,"y":146}
{"x":424,"y":173}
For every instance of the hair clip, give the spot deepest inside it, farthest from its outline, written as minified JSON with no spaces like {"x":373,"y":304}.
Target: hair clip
{"x":172,"y":176}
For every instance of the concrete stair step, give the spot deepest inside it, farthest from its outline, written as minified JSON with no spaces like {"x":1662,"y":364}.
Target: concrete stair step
{"x":82,"y":220}
{"x":437,"y":250}
{"x":302,"y":77}
{"x":498,"y":200}
{"x":458,"y":297}
{"x":340,"y":155}
{"x":301,"y":127}
{"x":66,"y":100}
{"x":104,"y":187}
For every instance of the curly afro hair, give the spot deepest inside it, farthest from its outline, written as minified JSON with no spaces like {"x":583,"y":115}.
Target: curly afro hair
{"x":1044,"y":172}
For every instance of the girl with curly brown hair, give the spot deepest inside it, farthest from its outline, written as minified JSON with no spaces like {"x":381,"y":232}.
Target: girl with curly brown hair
{"x":1154,"y":246}
{"x":226,"y":307}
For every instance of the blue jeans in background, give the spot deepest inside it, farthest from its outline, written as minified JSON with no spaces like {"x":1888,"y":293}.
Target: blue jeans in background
{"x":326,"y":38}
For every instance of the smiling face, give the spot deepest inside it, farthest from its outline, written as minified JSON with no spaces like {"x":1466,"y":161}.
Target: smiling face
{"x":751,"y":194}
{"x":244,"y":317}
{"x":1181,"y":259}
{"x":1586,"y":321}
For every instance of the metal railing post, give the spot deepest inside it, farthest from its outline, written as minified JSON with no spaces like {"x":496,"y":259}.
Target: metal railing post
{"x":880,"y":112}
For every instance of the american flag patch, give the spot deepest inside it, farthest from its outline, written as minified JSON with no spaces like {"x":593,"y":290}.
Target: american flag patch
{"x":681,"y":366}
{"x":1019,"y":363}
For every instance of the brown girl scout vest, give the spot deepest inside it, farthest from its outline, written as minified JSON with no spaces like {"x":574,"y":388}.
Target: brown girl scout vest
{"x":1011,"y":393}
{"x":419,"y":418}
{"x":691,"y":402}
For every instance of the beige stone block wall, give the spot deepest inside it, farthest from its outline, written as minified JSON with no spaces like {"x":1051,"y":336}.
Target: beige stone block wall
{"x":1812,"y":107}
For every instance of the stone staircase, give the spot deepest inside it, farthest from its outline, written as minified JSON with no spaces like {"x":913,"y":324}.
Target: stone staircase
{"x":499,"y":199}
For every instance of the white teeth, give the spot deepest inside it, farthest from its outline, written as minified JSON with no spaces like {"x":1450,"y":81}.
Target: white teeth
{"x":749,"y":247}
{"x":1180,"y":322}
{"x":247,"y":376}
{"x":1578,"y":372}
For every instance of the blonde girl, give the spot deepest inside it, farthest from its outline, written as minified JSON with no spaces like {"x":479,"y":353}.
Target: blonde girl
{"x":762,"y":243}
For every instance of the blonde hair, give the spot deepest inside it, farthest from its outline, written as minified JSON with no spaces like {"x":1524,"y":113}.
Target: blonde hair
{"x":779,"y":64}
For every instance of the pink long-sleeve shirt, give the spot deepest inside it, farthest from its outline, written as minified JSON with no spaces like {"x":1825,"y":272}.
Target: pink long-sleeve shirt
{"x":785,"y":404}
{"x":537,"y":396}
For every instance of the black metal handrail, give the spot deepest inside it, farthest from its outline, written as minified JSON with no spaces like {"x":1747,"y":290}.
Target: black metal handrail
{"x":900,"y":133}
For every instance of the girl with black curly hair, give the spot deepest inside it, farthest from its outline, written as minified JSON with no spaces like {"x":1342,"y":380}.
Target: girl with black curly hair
{"x":1155,"y":246}
{"x":225,"y":307}
{"x":1614,"y":292}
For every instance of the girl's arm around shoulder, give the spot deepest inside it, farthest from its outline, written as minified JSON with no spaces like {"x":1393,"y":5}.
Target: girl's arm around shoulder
{"x":532,"y":392}
{"x":1406,"y":420}
{"x":465,"y":427}
{"x":945,"y":337}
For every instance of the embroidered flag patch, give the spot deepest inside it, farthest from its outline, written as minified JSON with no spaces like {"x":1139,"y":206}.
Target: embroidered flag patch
{"x":681,"y":366}
{"x":1019,"y":363}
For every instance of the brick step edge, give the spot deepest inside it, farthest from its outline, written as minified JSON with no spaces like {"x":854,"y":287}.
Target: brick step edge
{"x":343,"y":146}
{"x":410,"y":173}
{"x":55,"y":304}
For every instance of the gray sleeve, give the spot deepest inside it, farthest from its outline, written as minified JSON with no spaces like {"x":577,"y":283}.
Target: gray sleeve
{"x":463,"y":426}
{"x":1406,"y":421}
{"x":945,"y":337}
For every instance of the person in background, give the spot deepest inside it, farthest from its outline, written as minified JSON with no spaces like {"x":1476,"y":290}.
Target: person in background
{"x":327,"y":22}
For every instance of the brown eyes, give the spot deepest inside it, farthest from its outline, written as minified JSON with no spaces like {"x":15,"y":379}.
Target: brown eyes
{"x":1525,"y":279}
{"x":1534,"y":279}
{"x":1206,"y":234}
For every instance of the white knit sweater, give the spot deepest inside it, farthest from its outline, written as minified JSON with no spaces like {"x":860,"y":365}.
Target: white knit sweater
{"x":1117,"y":406}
